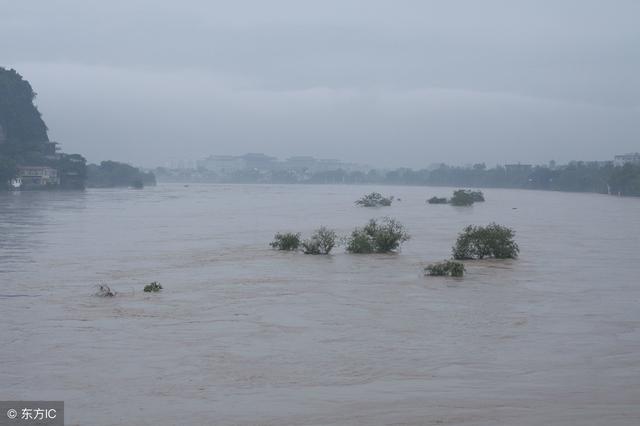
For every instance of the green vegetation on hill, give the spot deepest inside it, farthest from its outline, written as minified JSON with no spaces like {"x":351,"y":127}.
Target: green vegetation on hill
{"x":24,"y":142}
{"x":23,"y":136}
{"x":19,"y":117}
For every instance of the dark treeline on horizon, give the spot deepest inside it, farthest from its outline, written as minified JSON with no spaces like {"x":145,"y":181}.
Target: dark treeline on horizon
{"x":111,"y":174}
{"x":577,"y":176}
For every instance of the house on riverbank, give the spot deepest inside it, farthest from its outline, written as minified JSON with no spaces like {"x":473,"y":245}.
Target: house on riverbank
{"x":32,"y":177}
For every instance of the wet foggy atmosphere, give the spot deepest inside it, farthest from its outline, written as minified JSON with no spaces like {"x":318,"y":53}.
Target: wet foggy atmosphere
{"x":320,"y":213}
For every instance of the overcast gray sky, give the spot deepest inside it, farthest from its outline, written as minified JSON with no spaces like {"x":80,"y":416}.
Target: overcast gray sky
{"x":388,"y":83}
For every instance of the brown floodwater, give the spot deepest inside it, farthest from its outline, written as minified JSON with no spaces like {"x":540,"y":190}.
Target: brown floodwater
{"x":244,"y":335}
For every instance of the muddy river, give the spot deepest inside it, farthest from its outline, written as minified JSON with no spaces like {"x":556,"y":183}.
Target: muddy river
{"x":244,"y":335}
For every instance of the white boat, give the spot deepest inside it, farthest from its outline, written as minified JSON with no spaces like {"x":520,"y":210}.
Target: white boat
{"x":16,"y":183}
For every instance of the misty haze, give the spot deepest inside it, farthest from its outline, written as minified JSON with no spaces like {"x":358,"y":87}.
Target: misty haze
{"x":320,"y":213}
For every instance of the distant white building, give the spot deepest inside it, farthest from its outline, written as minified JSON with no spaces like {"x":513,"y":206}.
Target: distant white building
{"x":631,"y":158}
{"x":180,"y":164}
{"x":328,"y":164}
{"x":35,"y":176}
{"x":223,"y":164}
{"x":300,"y":163}
{"x":228,"y":164}
{"x":314,"y":165}
{"x":259,"y":161}
{"x":355,"y":167}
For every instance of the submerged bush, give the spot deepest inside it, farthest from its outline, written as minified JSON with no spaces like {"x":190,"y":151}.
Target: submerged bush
{"x":105,"y":291}
{"x":360,"y":242}
{"x":437,"y":200}
{"x":445,"y":268}
{"x":478,"y":242}
{"x":377,"y":237}
{"x":154,"y":287}
{"x":375,"y":199}
{"x":462,"y":197}
{"x":286,"y":241}
{"x":466,"y":197}
{"x":321,"y":242}
{"x":477,"y":196}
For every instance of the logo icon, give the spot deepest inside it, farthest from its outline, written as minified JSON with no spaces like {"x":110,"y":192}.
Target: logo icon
{"x":12,"y":414}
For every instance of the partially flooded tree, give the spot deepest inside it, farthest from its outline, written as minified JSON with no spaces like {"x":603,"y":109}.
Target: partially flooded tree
{"x":462,"y":197}
{"x":374,"y":199}
{"x":287,"y":241}
{"x":321,"y":242}
{"x":382,"y":236}
{"x":153,"y":287}
{"x":437,"y":200}
{"x":445,"y":268}
{"x":478,"y":196}
{"x":103,"y":290}
{"x":479,"y":242}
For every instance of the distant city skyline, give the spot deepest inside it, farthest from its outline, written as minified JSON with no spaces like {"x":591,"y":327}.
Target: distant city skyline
{"x":264,"y":161}
{"x":177,"y":163}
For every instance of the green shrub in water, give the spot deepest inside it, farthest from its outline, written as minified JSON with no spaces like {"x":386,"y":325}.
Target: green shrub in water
{"x":445,"y":268}
{"x":321,"y":242}
{"x":286,"y":241}
{"x":375,"y":199}
{"x":377,"y":237}
{"x":479,"y":242}
{"x":477,"y":196}
{"x":437,"y":200}
{"x":154,"y":287}
{"x":466,"y":197}
{"x":461,"y":197}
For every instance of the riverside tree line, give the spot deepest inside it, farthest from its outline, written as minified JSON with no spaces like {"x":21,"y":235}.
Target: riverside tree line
{"x":577,"y":176}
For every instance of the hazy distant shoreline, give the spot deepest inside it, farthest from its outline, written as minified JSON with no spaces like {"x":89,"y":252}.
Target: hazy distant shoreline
{"x":600,"y":177}
{"x":367,"y":184}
